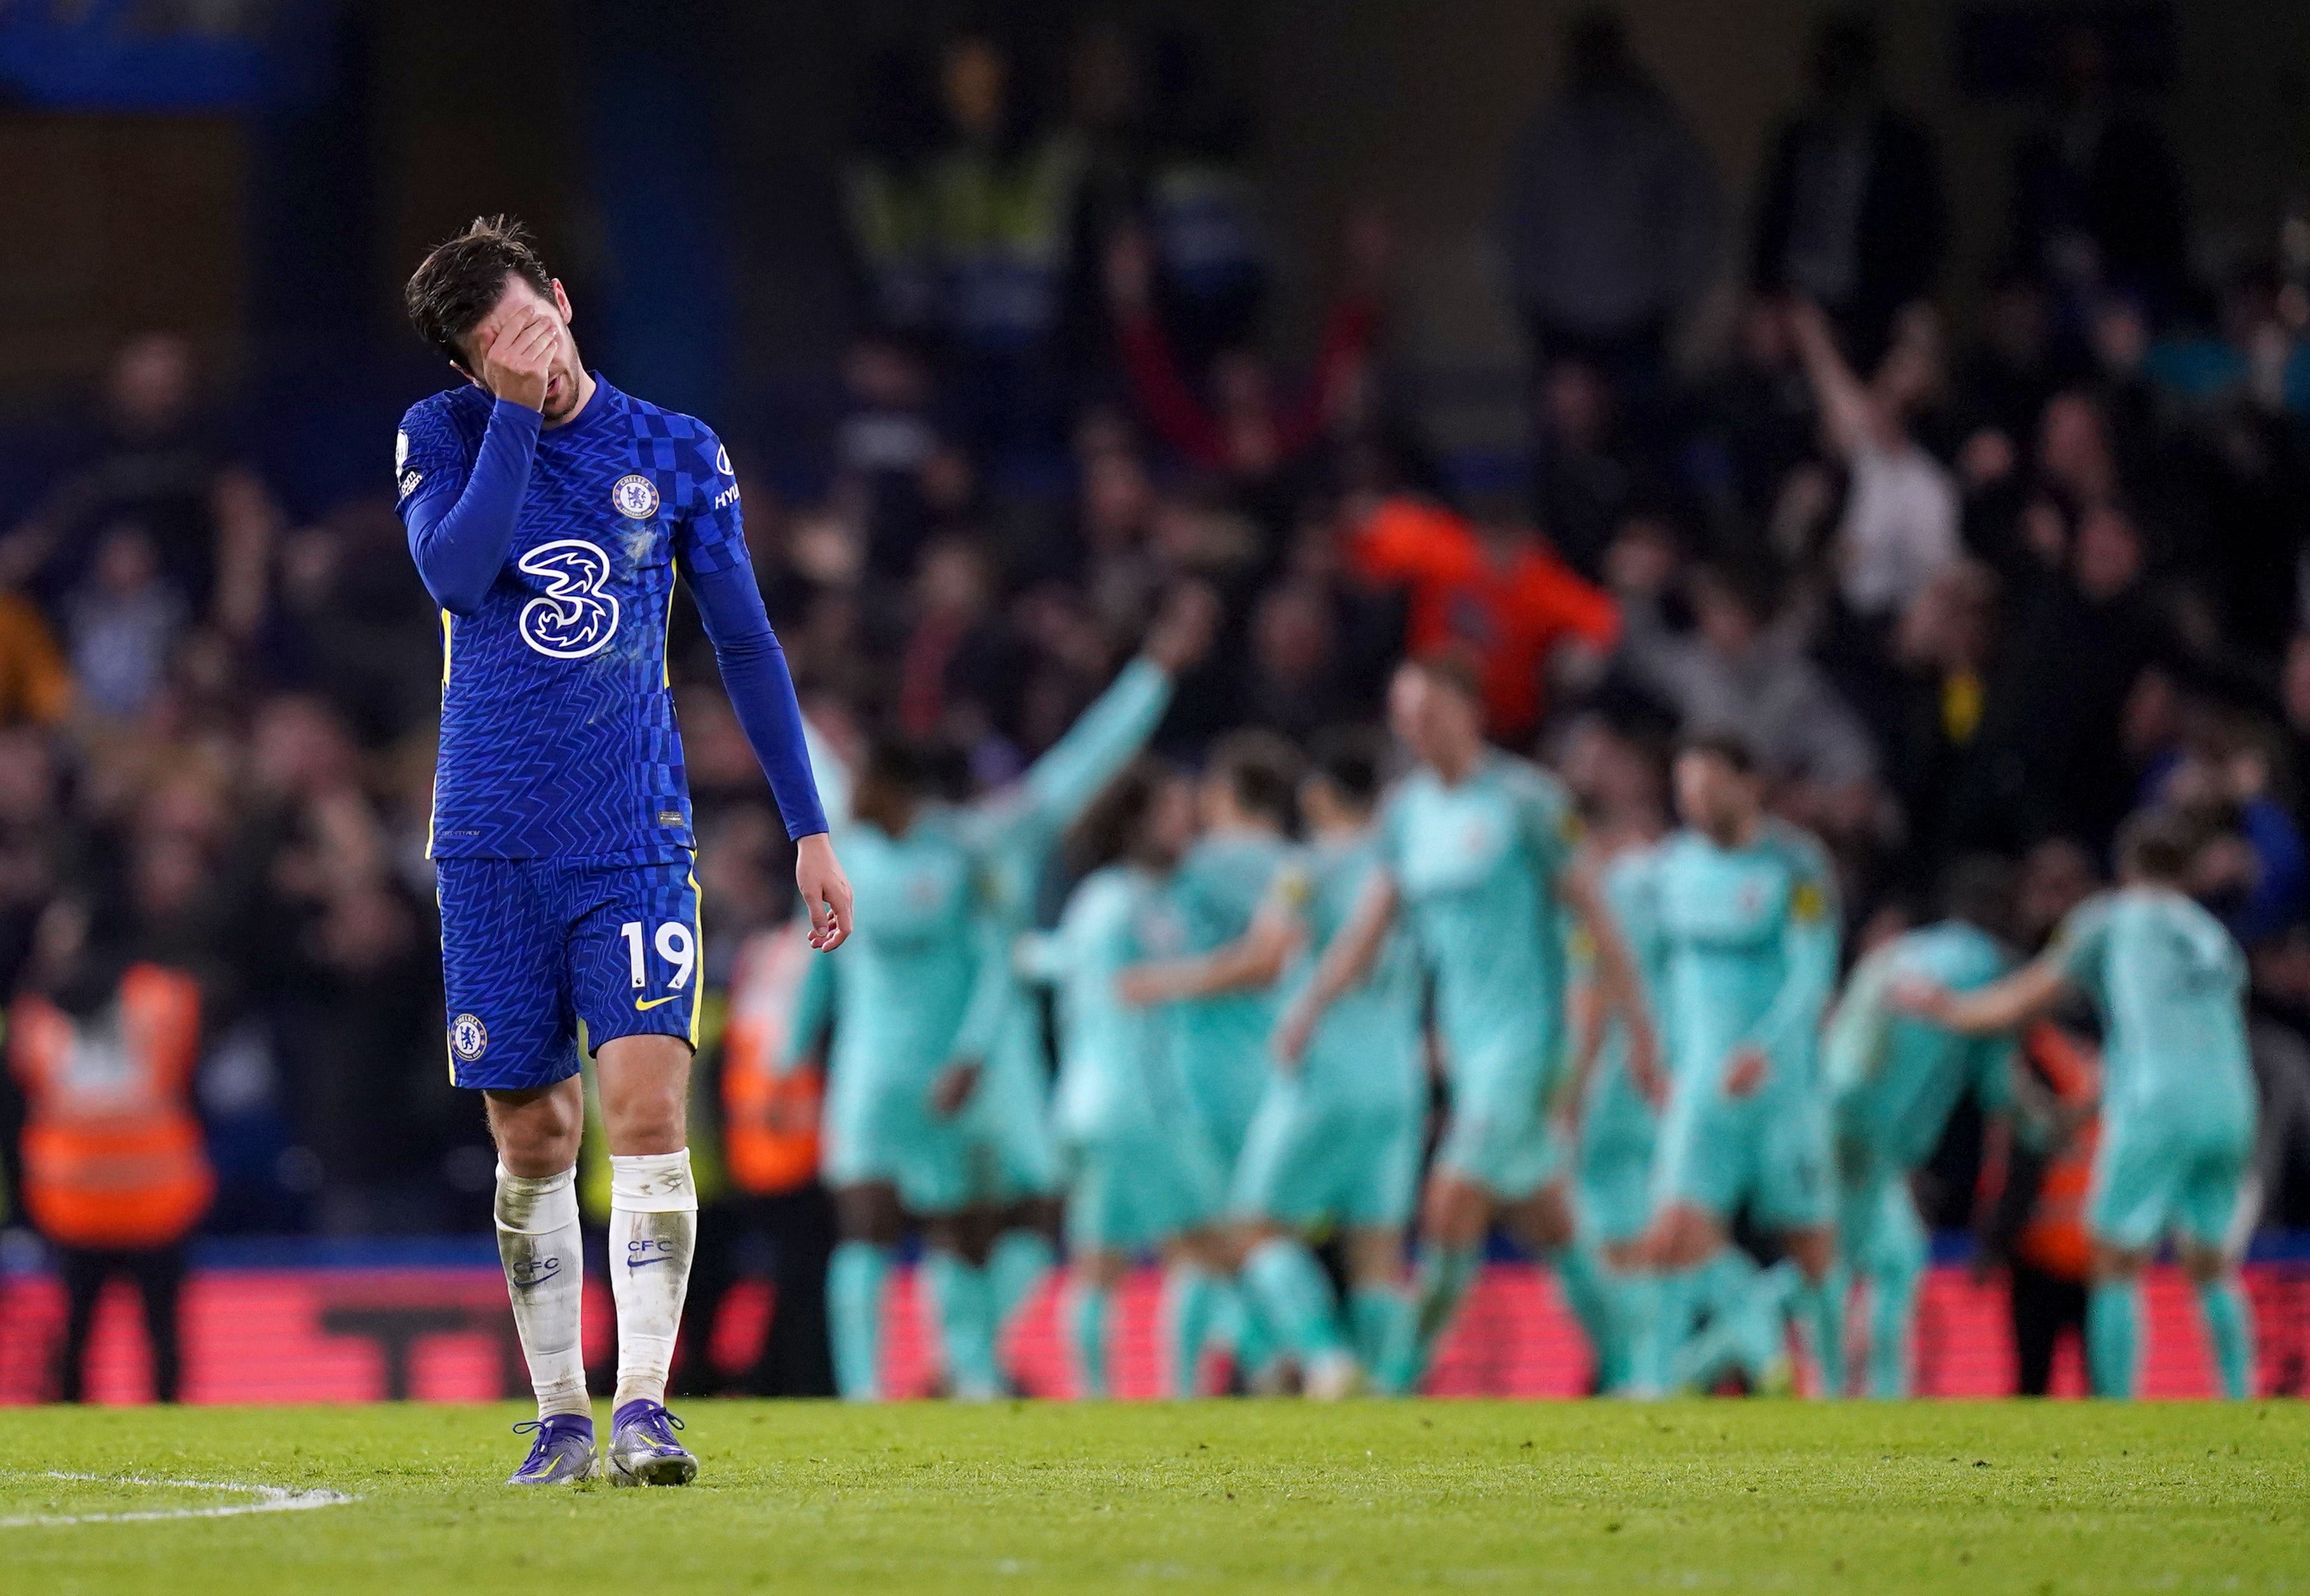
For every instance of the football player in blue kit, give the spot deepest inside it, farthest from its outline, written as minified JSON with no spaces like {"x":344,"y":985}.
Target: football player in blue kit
{"x":548,"y":514}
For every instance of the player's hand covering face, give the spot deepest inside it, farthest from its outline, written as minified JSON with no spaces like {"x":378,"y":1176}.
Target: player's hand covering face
{"x":522,"y":351}
{"x":825,"y":891}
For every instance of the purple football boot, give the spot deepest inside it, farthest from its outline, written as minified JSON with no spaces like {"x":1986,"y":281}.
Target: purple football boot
{"x":642,"y":1448}
{"x":560,"y":1450}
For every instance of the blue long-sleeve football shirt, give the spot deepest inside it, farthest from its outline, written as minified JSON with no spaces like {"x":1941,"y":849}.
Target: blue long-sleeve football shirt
{"x":552,"y":553}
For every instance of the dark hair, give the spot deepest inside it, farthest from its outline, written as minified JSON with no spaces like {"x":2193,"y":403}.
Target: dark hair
{"x":1721,"y":742}
{"x":1978,"y":890}
{"x":1111,"y":828}
{"x":1353,"y":759}
{"x":1261,"y":770}
{"x":462,"y":281}
{"x":1453,"y":667}
{"x":2160,"y":844}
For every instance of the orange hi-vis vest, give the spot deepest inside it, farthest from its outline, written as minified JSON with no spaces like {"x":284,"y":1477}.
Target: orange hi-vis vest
{"x":770,"y":1135}
{"x":113,"y":1157}
{"x":2055,"y":1239}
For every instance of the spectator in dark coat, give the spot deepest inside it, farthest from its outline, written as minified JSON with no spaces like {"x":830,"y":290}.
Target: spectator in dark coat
{"x":1853,"y":217}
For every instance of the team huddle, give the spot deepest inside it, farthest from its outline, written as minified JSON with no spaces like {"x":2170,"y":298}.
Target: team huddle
{"x":1260,"y":976}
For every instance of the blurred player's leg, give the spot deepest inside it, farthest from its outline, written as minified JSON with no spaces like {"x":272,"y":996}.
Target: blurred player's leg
{"x":963,"y":1304}
{"x":2114,"y":1333}
{"x":2207,"y":1210}
{"x":1089,"y":1308}
{"x":1290,"y":1289}
{"x":1022,"y":1259}
{"x":2229,"y":1329}
{"x":1192,"y":1297}
{"x":867,"y":1220}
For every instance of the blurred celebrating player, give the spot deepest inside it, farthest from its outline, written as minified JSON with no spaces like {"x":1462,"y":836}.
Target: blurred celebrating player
{"x":1336,"y":1135}
{"x":927,"y":1005}
{"x":1744,"y":911}
{"x":2178,"y":1102}
{"x":547,"y":513}
{"x":1139,"y":1172}
{"x":1476,"y":851}
{"x":1895,"y":1080}
{"x":1244,"y":803}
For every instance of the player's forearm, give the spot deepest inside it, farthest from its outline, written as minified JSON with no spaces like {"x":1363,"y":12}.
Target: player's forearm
{"x":761,"y":690}
{"x":1102,"y":740}
{"x":460,"y":546}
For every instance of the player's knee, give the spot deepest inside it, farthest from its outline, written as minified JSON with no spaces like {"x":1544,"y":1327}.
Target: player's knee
{"x":645,"y":1094}
{"x":536,"y":1133}
{"x":868,"y":1213}
{"x":2204,"y":1264}
{"x":2112,"y":1262}
{"x":1815,"y":1253}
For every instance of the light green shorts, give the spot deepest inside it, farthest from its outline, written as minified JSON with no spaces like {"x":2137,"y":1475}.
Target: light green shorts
{"x":1769,"y":1150}
{"x":1879,"y":1232}
{"x":1011,"y":1123}
{"x":1498,"y":1136}
{"x":886,"y":1132}
{"x":1612,"y":1190}
{"x":2162,"y":1176}
{"x":1308,"y":1160}
{"x":1132,"y":1190}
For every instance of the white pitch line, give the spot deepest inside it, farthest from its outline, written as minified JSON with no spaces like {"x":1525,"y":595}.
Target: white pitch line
{"x":270,"y":1499}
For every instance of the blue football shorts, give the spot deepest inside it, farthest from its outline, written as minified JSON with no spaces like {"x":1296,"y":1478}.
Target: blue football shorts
{"x":531,"y":946}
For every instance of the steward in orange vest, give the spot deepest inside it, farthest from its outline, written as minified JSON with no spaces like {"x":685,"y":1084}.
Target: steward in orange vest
{"x":113,"y":1157}
{"x":771,"y":1121}
{"x":115,"y":1172}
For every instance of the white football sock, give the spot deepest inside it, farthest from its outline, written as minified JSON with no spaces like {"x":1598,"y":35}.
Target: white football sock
{"x":545,"y":1275}
{"x":653,"y":1231}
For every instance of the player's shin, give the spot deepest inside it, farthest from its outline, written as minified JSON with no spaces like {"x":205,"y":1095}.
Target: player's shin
{"x":966,"y":1324}
{"x":1020,"y":1262}
{"x":1381,"y":1318}
{"x":1580,"y":1274}
{"x":1892,"y":1317}
{"x":1289,"y":1289}
{"x":853,"y":1317}
{"x":652,"y":1232}
{"x":1818,"y":1307}
{"x":1088,"y":1306}
{"x":2229,"y":1326}
{"x":1445,"y":1276}
{"x":1191,"y":1300}
{"x":2114,"y":1336}
{"x":538,"y":1244}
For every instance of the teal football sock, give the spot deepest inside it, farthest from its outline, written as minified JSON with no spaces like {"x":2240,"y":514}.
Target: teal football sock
{"x":1018,"y":1264}
{"x":1087,"y":1314}
{"x":1289,"y":1289}
{"x":1581,"y":1274}
{"x":2113,"y":1337}
{"x":853,"y":1317}
{"x":1382,"y":1318}
{"x":2229,"y":1325}
{"x":1820,"y":1310}
{"x":1192,"y":1301}
{"x":1892,"y":1322}
{"x":1445,"y":1277}
{"x":965,"y":1325}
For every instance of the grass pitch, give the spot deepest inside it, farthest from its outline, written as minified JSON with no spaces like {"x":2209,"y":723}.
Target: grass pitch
{"x":1212,"y":1498}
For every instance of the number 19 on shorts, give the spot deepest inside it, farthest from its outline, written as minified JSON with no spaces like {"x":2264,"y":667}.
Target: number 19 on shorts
{"x":675,"y":945}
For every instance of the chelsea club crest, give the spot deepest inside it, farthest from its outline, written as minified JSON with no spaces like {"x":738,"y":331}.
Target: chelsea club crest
{"x":469,"y":1039}
{"x":635,"y":497}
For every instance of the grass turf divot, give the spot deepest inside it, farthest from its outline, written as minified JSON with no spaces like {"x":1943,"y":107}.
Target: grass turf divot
{"x":1217,"y":1498}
